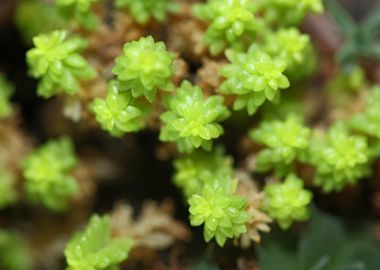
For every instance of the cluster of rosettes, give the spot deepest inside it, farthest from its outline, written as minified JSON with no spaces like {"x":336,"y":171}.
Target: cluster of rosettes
{"x":206,"y":180}
{"x":238,"y":23}
{"x":7,"y":189}
{"x":79,"y":10}
{"x":144,"y":68}
{"x":222,"y":213}
{"x":232,"y":23}
{"x":191,"y":120}
{"x":339,"y":159}
{"x":55,"y":60}
{"x":288,"y":201}
{"x":194,"y":171}
{"x":95,"y":249}
{"x":117,"y":113}
{"x":6,"y":91}
{"x":293,"y":48}
{"x":47,"y":174}
{"x":288,"y":12}
{"x":143,"y":11}
{"x":285,"y":140}
{"x":253,"y":77}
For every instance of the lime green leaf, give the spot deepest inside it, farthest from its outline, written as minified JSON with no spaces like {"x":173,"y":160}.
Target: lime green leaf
{"x":94,"y":248}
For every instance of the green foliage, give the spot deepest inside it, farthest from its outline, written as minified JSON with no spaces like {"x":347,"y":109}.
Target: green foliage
{"x":191,"y":120}
{"x":116,"y":113}
{"x":13,"y":252}
{"x":55,"y":60}
{"x":34,"y":17}
{"x":284,"y":141}
{"x":339,"y":158}
{"x":253,"y":77}
{"x":7,"y":191}
{"x":288,"y":12}
{"x":80,"y":10}
{"x":6,"y":91}
{"x":288,"y":201}
{"x":145,"y":67}
{"x":143,"y":11}
{"x":194,"y":171}
{"x":293,"y":48}
{"x":232,"y":23}
{"x":368,"y":121}
{"x":46,"y":172}
{"x":361,"y":40}
{"x":95,"y":249}
{"x":324,"y":245}
{"x":221,"y":212}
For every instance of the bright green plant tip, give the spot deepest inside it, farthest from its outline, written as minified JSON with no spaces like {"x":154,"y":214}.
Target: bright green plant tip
{"x":47,"y":174}
{"x":95,"y":249}
{"x":292,"y":47}
{"x":222,"y":213}
{"x":284,"y":141}
{"x":145,"y":67}
{"x":56,"y":61}
{"x":340,"y":158}
{"x":116,"y":114}
{"x":6,"y":91}
{"x":143,"y":11}
{"x":200,"y":168}
{"x":254,"y":77}
{"x":287,"y":202}
{"x":232,"y":23}
{"x":192,"y":120}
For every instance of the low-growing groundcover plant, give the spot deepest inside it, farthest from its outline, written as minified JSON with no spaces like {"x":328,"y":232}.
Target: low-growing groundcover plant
{"x":178,"y":134}
{"x":291,"y":194}
{"x":286,"y":141}
{"x":191,"y":120}
{"x":116,"y":114}
{"x":94,"y":248}
{"x":47,"y":174}
{"x":254,"y":77}
{"x":56,"y":61}
{"x":144,"y":67}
